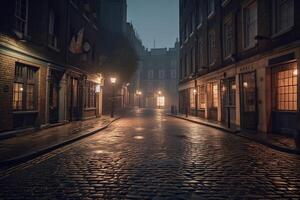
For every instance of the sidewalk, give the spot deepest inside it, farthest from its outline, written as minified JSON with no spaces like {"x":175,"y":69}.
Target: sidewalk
{"x":29,"y":145}
{"x":274,"y":141}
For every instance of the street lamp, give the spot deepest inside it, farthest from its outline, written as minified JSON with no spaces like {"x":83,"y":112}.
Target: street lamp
{"x":113,"y":81}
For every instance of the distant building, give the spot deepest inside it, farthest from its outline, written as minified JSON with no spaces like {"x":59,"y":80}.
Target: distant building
{"x":136,"y":42}
{"x":239,"y":63}
{"x":49,"y":62}
{"x":158,"y":78}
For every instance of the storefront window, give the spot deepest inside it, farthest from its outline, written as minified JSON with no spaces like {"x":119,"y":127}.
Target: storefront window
{"x":285,"y":87}
{"x":215,"y":96}
{"x":24,"y":88}
{"x":201,"y":97}
{"x":192,"y":99}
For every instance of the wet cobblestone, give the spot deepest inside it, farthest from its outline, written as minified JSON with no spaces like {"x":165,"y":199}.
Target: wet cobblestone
{"x":150,"y":156}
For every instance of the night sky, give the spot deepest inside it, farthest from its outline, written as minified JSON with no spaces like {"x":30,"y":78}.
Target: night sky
{"x":155,"y":20}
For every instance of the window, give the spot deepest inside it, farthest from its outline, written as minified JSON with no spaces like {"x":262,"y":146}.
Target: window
{"x":250,"y":24}
{"x":201,"y":96}
{"x":90,"y":95}
{"x":53,"y":29}
{"x":150,"y":74}
{"x":24,"y":90}
{"x":21,"y":16}
{"x":283,"y":15}
{"x":161,"y":74}
{"x":186,"y":31}
{"x":192,"y":61}
{"x":201,"y":53}
{"x":173,"y":73}
{"x":228,"y":37}
{"x":160,"y":101}
{"x":285,"y":87}
{"x":215,"y":95}
{"x":192,"y":99}
{"x":211,"y":7}
{"x":211,"y":47}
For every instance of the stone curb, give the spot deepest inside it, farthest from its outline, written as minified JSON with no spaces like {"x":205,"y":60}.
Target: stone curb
{"x":237,"y":133}
{"x":30,"y":156}
{"x":206,"y":124}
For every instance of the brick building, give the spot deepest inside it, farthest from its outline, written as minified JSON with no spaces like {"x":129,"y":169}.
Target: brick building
{"x":239,"y":63}
{"x":49,"y":56}
{"x":158,"y":78}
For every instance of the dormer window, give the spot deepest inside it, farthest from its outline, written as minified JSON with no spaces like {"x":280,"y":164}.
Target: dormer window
{"x":21,"y":17}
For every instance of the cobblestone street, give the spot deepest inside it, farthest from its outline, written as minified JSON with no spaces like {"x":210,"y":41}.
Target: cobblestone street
{"x":147,"y":155}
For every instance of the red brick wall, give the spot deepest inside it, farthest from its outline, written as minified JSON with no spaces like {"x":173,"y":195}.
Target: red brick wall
{"x":6,"y":82}
{"x":7,"y":71}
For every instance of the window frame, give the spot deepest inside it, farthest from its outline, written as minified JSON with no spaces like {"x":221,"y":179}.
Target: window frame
{"x":276,"y":19}
{"x":245,"y":10}
{"x":26,"y":75}
{"x":228,"y":20}
{"x":20,"y":19}
{"x":211,"y":46}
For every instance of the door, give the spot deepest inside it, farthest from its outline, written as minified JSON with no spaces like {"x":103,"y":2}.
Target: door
{"x":74,"y":103}
{"x":228,"y":91}
{"x":54,"y":98}
{"x":213,"y":100}
{"x":248,"y":101}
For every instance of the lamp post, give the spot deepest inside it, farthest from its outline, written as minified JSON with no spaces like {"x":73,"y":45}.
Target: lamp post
{"x":113,"y":81}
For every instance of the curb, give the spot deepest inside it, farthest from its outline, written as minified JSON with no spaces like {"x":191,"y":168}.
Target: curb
{"x":206,"y":124}
{"x":237,"y":133}
{"x":30,"y":156}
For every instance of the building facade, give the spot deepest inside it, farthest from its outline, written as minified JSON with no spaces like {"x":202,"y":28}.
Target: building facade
{"x":158,"y":78}
{"x":239,"y":63}
{"x":49,"y":55}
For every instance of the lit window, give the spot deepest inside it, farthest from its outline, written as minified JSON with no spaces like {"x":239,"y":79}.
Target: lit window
{"x":215,"y":95}
{"x":161,"y":101}
{"x":90,"y":95}
{"x":192,"y":98}
{"x":285,"y":87}
{"x":250,"y":25}
{"x":201,"y":96}
{"x":24,"y":93}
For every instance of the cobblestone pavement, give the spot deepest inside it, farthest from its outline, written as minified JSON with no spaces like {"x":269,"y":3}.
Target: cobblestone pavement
{"x":150,"y":156}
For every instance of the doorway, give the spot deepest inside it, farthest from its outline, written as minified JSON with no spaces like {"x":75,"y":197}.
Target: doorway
{"x":54,"y":88}
{"x":248,"y":88}
{"x":228,"y":92}
{"x":74,"y":99}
